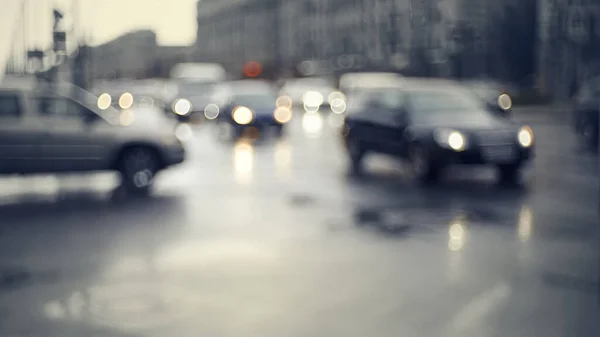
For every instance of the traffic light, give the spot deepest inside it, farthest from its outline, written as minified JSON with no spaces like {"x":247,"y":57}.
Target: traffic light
{"x":252,"y":69}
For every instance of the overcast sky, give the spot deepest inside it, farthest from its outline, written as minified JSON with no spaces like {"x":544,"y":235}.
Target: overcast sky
{"x":101,"y":20}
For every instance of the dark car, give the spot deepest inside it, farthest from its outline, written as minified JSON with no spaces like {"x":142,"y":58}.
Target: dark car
{"x":586,"y":112}
{"x":433,"y":124}
{"x":253,"y":104}
{"x":496,"y":98}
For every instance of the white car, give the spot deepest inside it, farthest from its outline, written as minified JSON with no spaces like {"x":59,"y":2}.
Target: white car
{"x":65,"y":129}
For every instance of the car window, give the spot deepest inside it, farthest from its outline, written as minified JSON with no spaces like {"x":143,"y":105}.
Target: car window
{"x":390,"y":99}
{"x":448,"y":106}
{"x":9,"y":106}
{"x":60,"y":107}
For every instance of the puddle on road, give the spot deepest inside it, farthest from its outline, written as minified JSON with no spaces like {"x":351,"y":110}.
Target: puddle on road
{"x":393,"y":222}
{"x":410,"y":219}
{"x":14,"y":278}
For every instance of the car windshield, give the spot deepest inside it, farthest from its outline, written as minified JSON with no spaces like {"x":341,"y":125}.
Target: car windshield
{"x":451,"y":104}
{"x":255,"y":101}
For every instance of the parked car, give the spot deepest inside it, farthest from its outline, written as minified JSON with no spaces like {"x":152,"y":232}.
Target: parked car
{"x":433,"y":124}
{"x":62,"y":128}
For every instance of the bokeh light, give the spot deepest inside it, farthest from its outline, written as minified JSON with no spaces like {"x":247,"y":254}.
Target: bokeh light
{"x":282,"y":115}
{"x":126,"y":101}
{"x":104,"y":101}
{"x":312,"y":124}
{"x":211,"y":111}
{"x":127,"y":117}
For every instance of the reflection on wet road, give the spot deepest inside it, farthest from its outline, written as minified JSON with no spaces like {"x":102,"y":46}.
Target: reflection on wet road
{"x":270,"y":237}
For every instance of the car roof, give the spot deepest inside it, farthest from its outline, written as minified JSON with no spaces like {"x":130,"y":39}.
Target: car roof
{"x":370,"y":80}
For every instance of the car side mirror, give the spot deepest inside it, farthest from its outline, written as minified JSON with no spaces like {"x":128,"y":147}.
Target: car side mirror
{"x":494,"y":107}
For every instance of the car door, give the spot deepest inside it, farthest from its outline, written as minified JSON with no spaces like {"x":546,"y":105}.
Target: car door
{"x":389,"y":122}
{"x":73,"y":142}
{"x":363,"y":124}
{"x":20,"y":135}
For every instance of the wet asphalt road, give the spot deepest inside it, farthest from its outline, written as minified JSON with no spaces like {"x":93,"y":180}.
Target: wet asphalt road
{"x":274,"y":239}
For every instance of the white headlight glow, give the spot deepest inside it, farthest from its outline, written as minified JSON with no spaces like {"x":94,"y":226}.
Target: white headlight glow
{"x":242,"y":115}
{"x":456,"y":141}
{"x":182,"y":107}
{"x":525,"y":136}
{"x":450,"y":139}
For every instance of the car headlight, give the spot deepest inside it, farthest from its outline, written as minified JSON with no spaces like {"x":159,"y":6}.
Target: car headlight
{"x":450,"y":139}
{"x":525,"y":136}
{"x":182,"y":107}
{"x":335,"y":96}
{"x":284,"y":102}
{"x":505,"y":102}
{"x":242,"y":115}
{"x":312,"y":99}
{"x":282,"y":115}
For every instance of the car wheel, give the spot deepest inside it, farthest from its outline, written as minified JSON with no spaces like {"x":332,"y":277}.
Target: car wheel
{"x":509,"y":173}
{"x":138,"y":166}
{"x":588,"y":135}
{"x":420,"y":165}
{"x":356,"y":152}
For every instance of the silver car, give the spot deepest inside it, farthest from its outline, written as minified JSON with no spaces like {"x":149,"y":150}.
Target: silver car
{"x":65,"y":129}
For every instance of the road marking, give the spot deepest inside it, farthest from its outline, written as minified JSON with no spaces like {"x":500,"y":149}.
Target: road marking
{"x":479,"y":307}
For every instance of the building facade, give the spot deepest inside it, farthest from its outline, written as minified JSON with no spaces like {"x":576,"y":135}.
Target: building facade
{"x":428,"y":35}
{"x":568,"y":44}
{"x":549,"y":43}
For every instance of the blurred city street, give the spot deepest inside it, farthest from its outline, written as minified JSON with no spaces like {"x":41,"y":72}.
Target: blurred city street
{"x":274,"y":238}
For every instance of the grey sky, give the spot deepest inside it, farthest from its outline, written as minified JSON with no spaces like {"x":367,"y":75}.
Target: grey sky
{"x":101,"y":20}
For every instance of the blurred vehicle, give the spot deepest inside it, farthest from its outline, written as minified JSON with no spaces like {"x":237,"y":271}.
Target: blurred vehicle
{"x":66,"y":129}
{"x":586,"y":112}
{"x":195,"y":83}
{"x":356,"y":84}
{"x":252,"y":103}
{"x":433,"y":124}
{"x":493,"y":94}
{"x":192,"y":99}
{"x":312,"y":93}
